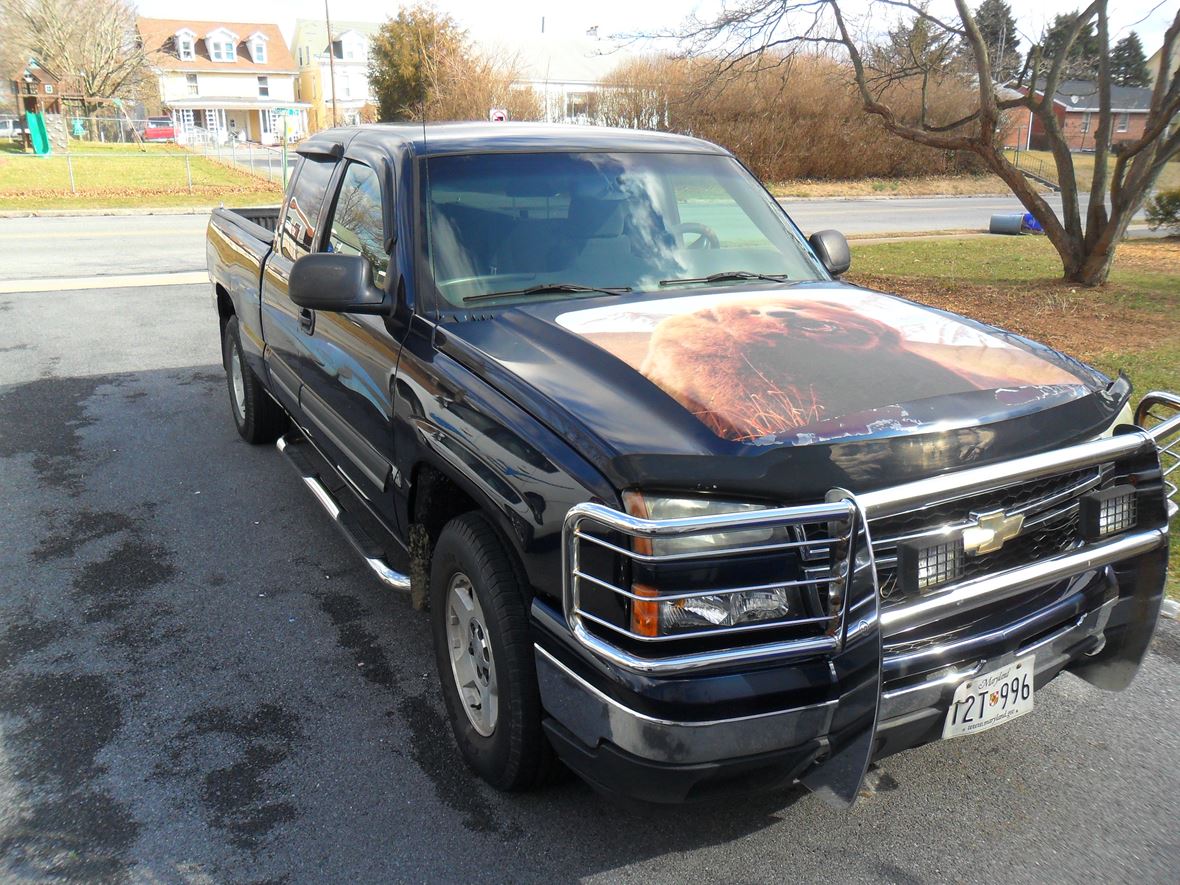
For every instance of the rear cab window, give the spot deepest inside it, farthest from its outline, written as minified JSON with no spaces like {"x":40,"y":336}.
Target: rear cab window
{"x":302,"y":210}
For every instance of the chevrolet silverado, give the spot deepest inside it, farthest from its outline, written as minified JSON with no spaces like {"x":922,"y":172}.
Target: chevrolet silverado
{"x":689,"y":514}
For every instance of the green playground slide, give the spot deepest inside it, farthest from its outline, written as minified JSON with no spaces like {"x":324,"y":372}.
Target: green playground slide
{"x":37,"y":133}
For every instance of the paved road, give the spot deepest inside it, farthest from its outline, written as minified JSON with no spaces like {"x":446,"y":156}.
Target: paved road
{"x":32,"y":248}
{"x":880,"y":216}
{"x":200,"y":683}
{"x":85,"y":246}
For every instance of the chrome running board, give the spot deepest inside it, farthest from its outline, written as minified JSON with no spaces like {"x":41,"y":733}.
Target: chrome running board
{"x":293,"y":445}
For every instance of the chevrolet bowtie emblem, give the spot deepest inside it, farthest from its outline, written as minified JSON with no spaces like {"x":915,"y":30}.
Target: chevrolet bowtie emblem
{"x":991,"y":531}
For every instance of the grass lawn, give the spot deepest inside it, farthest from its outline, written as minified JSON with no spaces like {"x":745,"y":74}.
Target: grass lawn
{"x":1083,"y":166}
{"x":124,"y":176}
{"x":1132,"y":323}
{"x":959,"y":185}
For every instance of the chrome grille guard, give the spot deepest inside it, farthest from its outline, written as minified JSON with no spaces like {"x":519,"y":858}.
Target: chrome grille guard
{"x":855,"y":623}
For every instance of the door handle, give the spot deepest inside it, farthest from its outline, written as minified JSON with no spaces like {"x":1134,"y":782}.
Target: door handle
{"x":307,"y":320}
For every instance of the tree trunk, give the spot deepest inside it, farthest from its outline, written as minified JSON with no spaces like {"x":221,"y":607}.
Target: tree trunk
{"x":1098,"y":257}
{"x":1095,"y":269}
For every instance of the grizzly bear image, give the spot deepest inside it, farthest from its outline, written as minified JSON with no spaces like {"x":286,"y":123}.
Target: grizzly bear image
{"x":769,"y":364}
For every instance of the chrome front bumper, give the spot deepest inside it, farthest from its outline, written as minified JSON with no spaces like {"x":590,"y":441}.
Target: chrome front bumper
{"x":854,"y":646}
{"x":593,"y":717}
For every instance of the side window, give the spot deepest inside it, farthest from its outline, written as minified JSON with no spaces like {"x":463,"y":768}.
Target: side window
{"x":356,"y":227}
{"x":303,"y":206}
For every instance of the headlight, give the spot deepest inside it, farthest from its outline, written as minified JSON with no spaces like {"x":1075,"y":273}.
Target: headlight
{"x":716,"y":610}
{"x":664,"y":507}
{"x":761,"y":602}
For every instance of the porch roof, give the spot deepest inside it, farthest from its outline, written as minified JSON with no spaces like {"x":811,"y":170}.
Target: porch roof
{"x":237,"y":104}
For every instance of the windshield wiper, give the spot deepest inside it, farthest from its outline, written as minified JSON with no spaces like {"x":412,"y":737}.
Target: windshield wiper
{"x":544,"y":288}
{"x":727,"y":275}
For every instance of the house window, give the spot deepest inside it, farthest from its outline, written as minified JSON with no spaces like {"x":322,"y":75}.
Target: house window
{"x":259,"y":52}
{"x":1124,"y":122}
{"x":263,"y":87}
{"x":1085,"y":122}
{"x":223,"y":50}
{"x":185,"y":49}
{"x":190,"y":80}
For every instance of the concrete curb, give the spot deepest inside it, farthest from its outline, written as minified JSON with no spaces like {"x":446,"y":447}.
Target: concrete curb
{"x":898,"y":197}
{"x":92,"y":213}
{"x":1171,"y":609}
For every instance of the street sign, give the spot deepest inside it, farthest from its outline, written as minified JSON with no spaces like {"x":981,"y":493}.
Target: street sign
{"x":498,"y":115}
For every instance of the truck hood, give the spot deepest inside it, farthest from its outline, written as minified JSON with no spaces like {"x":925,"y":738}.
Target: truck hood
{"x":811,"y":373}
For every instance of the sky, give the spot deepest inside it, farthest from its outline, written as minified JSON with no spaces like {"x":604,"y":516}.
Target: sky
{"x":501,"y":19}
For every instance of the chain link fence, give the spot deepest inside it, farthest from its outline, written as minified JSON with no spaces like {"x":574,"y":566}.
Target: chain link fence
{"x":157,"y":171}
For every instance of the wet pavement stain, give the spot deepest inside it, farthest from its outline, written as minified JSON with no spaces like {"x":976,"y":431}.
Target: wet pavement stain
{"x":346,"y":614}
{"x":44,"y":419}
{"x":114,"y":583}
{"x":239,"y":798}
{"x":431,"y":743}
{"x":79,"y":529}
{"x":433,"y":748}
{"x":26,"y":635}
{"x":68,"y":827}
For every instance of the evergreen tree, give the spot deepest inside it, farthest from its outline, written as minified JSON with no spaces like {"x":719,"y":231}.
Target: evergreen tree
{"x":405,"y":54}
{"x":998,"y":28}
{"x":1128,"y":64}
{"x":1082,"y":61}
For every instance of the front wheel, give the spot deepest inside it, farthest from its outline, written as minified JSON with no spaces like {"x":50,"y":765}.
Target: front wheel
{"x":485,"y":657}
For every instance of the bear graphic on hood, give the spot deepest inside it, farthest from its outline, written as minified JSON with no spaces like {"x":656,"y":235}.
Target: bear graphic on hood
{"x":758,"y":366}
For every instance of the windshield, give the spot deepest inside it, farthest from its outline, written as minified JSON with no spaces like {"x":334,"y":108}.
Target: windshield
{"x":507,"y":228}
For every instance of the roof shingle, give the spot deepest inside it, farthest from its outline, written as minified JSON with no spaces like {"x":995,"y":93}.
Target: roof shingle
{"x":158,"y":35}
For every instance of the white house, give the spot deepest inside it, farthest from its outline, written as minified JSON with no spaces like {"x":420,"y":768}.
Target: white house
{"x":564,"y":71}
{"x":347,"y":70}
{"x":223,"y":79}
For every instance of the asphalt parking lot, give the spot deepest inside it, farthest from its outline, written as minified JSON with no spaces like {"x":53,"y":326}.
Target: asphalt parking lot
{"x":200,"y":683}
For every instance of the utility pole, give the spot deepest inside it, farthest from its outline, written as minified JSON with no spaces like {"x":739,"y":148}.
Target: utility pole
{"x":331,"y":60}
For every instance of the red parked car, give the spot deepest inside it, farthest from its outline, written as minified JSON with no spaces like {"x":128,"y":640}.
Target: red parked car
{"x":159,"y":129}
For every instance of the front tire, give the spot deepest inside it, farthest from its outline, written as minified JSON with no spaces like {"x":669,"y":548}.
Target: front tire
{"x":259,"y":418}
{"x":484,"y":656}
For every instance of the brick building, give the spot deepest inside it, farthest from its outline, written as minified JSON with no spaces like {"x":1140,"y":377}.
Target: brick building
{"x":1075,"y":103}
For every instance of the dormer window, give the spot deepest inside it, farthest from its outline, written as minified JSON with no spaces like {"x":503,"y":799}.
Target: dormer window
{"x":257,"y":46}
{"x":186,"y":45}
{"x":223,"y":50}
{"x":222,"y":45}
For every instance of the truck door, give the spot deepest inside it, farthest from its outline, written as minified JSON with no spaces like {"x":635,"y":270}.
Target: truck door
{"x":286,"y":327}
{"x":348,"y":377}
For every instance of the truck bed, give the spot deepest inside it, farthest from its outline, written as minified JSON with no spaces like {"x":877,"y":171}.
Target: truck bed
{"x":261,"y":221}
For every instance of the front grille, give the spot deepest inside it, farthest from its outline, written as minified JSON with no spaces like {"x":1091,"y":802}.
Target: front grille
{"x":1050,"y":508}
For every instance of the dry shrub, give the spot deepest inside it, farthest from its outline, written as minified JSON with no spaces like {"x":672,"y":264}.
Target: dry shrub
{"x":793,"y":118}
{"x":466,"y":84}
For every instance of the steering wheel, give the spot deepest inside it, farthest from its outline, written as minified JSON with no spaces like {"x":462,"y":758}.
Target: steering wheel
{"x":706,"y":237}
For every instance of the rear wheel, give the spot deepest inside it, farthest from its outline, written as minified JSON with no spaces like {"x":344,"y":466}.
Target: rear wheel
{"x":485,"y":657}
{"x":257,"y":417}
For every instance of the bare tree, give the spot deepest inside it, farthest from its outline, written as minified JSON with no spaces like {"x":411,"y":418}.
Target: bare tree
{"x":757,"y":28}
{"x":91,"y":45}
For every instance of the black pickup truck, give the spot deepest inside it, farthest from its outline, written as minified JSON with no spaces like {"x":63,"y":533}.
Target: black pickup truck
{"x":689,"y":514}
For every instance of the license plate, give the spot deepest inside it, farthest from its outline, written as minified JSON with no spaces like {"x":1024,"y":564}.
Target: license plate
{"x":991,"y":699}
